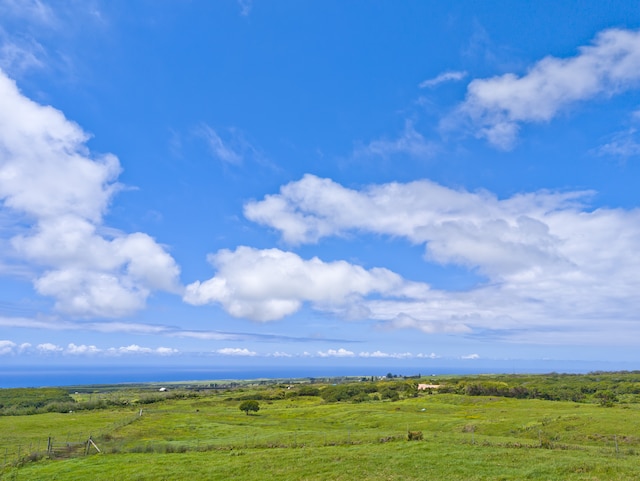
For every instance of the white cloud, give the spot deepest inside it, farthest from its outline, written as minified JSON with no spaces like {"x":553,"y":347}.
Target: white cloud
{"x":20,"y":55}
{"x":336,"y":353}
{"x":433,"y":355}
{"x":245,"y":7}
{"x":49,"y":178}
{"x":625,"y":144}
{"x":207,"y":335}
{"x":117,"y":326}
{"x":496,"y":107}
{"x":135,"y":349}
{"x":386,"y":355}
{"x":451,"y":76}
{"x":235,"y":351}
{"x":281,"y":354}
{"x":7,"y":347}
{"x":48,"y":347}
{"x":404,"y":321}
{"x":549,"y":264}
{"x":34,"y":24}
{"x":265,"y":285}
{"x":82,"y":349}
{"x":34,"y":11}
{"x":410,"y":143}
{"x":54,"y":323}
{"x":165,"y":351}
{"x":219,"y":148}
{"x":470,"y":356}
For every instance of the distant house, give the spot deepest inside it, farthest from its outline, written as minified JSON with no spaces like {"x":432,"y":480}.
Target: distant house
{"x":163,"y":389}
{"x":424,"y":387}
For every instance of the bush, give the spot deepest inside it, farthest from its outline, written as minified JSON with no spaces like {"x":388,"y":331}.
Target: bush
{"x":308,"y":391}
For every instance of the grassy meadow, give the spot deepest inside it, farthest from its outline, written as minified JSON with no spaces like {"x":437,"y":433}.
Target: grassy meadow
{"x":310,"y":432}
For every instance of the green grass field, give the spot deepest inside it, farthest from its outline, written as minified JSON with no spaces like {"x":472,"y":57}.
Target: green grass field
{"x":206,"y":436}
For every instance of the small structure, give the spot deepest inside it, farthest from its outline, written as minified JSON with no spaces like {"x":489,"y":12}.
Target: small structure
{"x":424,"y":387}
{"x":163,"y":389}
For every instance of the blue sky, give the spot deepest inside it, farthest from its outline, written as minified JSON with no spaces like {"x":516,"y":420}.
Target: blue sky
{"x":290,"y":183}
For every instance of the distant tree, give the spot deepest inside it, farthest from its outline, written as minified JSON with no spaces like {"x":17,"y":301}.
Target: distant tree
{"x":308,"y":391}
{"x":389,"y":393}
{"x":606,"y":398}
{"x":250,"y":405}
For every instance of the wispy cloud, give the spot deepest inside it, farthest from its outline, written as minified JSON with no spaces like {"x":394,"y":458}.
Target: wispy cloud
{"x":470,"y":356}
{"x":245,"y":7}
{"x":31,"y":39}
{"x":623,"y":144}
{"x":404,"y":321}
{"x":18,"y":55}
{"x":33,"y":11}
{"x":221,"y":150}
{"x":451,"y":76}
{"x":410,"y":143}
{"x":112,"y":327}
{"x":496,"y":107}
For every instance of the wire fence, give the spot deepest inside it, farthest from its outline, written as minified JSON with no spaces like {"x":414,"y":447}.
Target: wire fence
{"x":60,"y":446}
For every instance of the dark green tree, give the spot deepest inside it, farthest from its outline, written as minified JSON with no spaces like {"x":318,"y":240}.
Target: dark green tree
{"x":250,"y":405}
{"x":606,"y":398}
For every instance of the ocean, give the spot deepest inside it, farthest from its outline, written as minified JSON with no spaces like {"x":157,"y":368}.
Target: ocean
{"x":77,"y":374}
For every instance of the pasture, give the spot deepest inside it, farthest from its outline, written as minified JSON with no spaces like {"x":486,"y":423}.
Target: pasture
{"x":191,"y":434}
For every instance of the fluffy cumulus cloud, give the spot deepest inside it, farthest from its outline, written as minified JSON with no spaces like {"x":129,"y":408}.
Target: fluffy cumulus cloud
{"x":336,"y":353}
{"x":48,"y":348}
{"x":136,"y":350}
{"x":265,"y":285}
{"x":236,"y":351}
{"x":7,"y":347}
{"x":386,"y":355}
{"x":551,"y":266}
{"x":59,"y":190}
{"x":496,"y":107}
